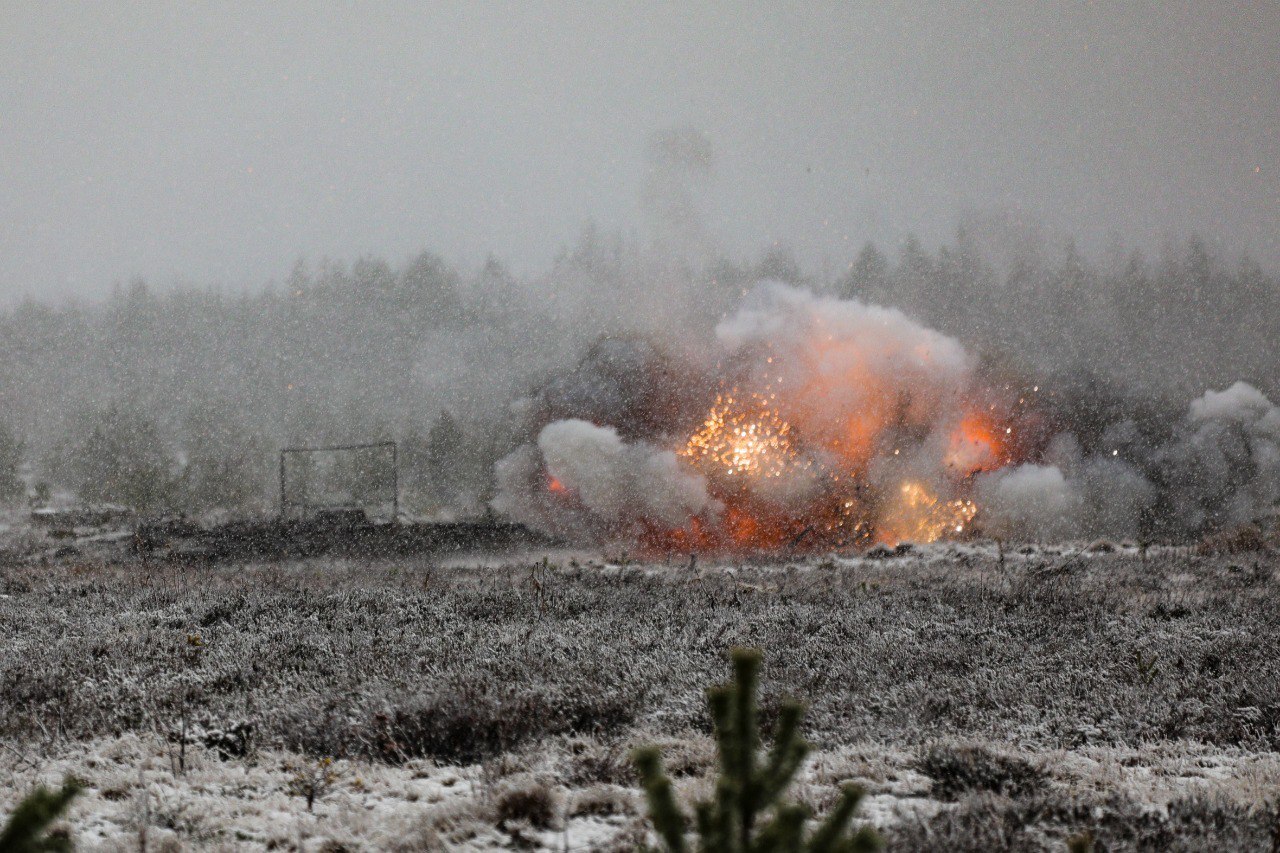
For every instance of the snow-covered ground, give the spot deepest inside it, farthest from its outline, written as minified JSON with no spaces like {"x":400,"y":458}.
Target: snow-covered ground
{"x":136,"y":793}
{"x":485,"y":702}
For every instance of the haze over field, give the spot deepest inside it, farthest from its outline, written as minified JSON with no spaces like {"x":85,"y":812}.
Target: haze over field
{"x":218,"y":145}
{"x":696,"y":278}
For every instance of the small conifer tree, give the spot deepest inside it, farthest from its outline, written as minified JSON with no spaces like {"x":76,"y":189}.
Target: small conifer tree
{"x":748,"y":790}
{"x":26,"y":831}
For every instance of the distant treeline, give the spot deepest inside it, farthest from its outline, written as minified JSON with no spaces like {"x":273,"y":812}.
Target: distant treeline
{"x":182,"y":397}
{"x":1169,"y":328}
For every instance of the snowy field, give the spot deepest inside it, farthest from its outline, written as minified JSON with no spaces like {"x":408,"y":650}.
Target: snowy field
{"x":986,"y":702}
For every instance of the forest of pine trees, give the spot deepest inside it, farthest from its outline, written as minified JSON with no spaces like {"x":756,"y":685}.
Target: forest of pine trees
{"x":181,"y":397}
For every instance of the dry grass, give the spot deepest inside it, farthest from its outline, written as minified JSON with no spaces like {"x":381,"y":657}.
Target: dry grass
{"x":1124,"y":684}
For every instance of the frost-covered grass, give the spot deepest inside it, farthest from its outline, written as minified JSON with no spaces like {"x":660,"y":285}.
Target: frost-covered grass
{"x":1057,"y":690}
{"x":546,"y":796}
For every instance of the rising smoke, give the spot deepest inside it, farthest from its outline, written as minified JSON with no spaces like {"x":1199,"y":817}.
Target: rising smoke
{"x":833,"y":422}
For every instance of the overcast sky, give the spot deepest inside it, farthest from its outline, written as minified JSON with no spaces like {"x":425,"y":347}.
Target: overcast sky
{"x":217,"y":143}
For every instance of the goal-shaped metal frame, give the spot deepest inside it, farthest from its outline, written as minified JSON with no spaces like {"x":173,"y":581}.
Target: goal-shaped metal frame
{"x":286,"y":504}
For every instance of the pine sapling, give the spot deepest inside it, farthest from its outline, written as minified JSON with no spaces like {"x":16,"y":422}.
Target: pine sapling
{"x":748,"y":811}
{"x":27,"y":829}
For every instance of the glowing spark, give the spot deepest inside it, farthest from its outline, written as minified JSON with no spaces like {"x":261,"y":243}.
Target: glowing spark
{"x":919,"y":516}
{"x":749,"y":439}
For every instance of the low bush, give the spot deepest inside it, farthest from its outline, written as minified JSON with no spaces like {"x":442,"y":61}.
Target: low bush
{"x":468,"y":724}
{"x":957,"y":771}
{"x":533,"y":803}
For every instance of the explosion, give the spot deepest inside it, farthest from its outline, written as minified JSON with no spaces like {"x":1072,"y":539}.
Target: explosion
{"x":749,"y":440}
{"x":917,"y":515}
{"x":812,"y":423}
{"x":755,"y":465}
{"x":826,"y":423}
{"x":743,"y":444}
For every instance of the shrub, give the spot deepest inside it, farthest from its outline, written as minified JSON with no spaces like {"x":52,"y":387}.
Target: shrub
{"x":600,"y":801}
{"x":470,"y":725}
{"x":454,"y":723}
{"x":747,"y":790}
{"x":534,"y":804}
{"x":591,"y":761}
{"x":311,"y":780}
{"x":960,"y":770}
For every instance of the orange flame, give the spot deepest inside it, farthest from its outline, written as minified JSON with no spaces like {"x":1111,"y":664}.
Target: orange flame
{"x":789,"y":469}
{"x":916,"y":514}
{"x":977,"y":444}
{"x":745,"y":446}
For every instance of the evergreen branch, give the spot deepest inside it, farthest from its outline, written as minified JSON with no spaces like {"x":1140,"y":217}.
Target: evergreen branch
{"x":25,"y":831}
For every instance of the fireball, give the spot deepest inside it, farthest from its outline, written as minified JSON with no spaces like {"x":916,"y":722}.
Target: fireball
{"x":825,"y":423}
{"x":743,"y":438}
{"x":916,"y":514}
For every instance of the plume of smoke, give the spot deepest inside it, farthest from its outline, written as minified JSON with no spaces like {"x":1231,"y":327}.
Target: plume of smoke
{"x":1068,"y":495}
{"x":1029,"y":501}
{"x":843,"y":372}
{"x":1223,"y":467}
{"x":1220,"y":467}
{"x":583,"y":476}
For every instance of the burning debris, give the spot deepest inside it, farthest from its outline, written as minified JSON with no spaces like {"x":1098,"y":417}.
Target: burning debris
{"x":819,"y":423}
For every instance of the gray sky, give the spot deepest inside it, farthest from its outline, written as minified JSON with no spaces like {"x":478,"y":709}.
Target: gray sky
{"x":218,"y":144}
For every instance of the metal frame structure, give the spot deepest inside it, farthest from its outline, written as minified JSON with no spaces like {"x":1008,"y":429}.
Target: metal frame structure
{"x":395,"y":472}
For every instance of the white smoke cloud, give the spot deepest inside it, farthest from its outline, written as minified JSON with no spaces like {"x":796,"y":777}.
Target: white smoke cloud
{"x":1224,"y":466}
{"x":1112,"y":492}
{"x":1240,"y":404}
{"x":836,"y":359}
{"x":603,"y":484}
{"x":1069,"y":495}
{"x":1032,"y":502}
{"x":618,"y":481}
